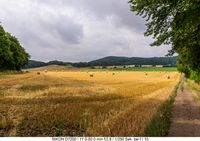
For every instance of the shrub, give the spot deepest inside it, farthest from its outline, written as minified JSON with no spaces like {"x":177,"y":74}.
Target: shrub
{"x":194,"y":75}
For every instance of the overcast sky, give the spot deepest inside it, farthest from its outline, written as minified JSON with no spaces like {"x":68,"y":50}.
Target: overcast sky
{"x":77,"y":30}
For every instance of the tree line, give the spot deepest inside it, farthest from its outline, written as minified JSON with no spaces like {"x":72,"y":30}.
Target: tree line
{"x":110,"y":61}
{"x":12,"y":54}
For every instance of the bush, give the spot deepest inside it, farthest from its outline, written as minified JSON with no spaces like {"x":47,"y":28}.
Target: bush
{"x":194,"y":75}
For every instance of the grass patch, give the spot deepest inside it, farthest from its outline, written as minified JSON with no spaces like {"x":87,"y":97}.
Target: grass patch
{"x":32,"y":87}
{"x":160,"y":122}
{"x":1,"y":93}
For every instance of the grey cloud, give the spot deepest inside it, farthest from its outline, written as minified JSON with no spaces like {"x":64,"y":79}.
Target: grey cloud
{"x":77,"y":30}
{"x":118,"y":8}
{"x":70,"y":33}
{"x":104,"y":8}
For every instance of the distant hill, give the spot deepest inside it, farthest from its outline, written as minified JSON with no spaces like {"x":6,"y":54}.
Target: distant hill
{"x":113,"y":60}
{"x":36,"y":64}
{"x":110,"y":61}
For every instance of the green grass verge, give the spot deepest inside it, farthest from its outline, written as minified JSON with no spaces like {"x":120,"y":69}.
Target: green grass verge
{"x":160,"y":122}
{"x":165,"y":69}
{"x":32,"y":87}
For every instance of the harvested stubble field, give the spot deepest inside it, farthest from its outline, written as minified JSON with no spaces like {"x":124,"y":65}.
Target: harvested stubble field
{"x":55,"y":103}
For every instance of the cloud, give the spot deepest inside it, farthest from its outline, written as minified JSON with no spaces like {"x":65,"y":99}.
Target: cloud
{"x":77,"y":30}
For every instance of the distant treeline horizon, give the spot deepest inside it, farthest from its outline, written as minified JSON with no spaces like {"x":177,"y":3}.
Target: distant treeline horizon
{"x":110,"y":61}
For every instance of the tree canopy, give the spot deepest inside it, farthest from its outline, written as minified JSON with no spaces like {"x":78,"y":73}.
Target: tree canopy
{"x":12,"y":54}
{"x":175,"y":22}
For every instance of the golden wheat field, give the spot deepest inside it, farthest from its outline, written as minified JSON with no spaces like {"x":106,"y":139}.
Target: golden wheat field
{"x":81,"y":103}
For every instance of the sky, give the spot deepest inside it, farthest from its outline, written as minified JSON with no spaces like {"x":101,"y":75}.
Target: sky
{"x":77,"y":30}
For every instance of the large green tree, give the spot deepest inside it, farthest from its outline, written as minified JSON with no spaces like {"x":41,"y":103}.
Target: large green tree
{"x":12,"y":54}
{"x":175,"y":22}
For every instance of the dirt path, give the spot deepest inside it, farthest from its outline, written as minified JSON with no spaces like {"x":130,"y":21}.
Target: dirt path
{"x":185,"y":115}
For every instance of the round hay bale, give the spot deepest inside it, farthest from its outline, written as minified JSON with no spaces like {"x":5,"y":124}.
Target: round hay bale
{"x":113,"y":74}
{"x":38,"y":73}
{"x":91,"y":74}
{"x":168,"y":77}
